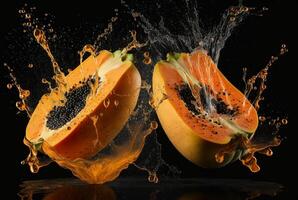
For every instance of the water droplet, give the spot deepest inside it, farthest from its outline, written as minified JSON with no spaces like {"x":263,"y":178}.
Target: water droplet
{"x":267,"y":152}
{"x":152,"y":178}
{"x":262,"y":118}
{"x":20,"y":105}
{"x":113,"y":19}
{"x":284,"y":121}
{"x":116,"y":102}
{"x":89,"y":48}
{"x":154,"y":125}
{"x":9,"y":86}
{"x":24,"y":94}
{"x":39,"y":35}
{"x":27,"y":16}
{"x":22,"y":11}
{"x":147,"y":61}
{"x":219,"y":157}
{"x":43,"y":80}
{"x":106,"y":102}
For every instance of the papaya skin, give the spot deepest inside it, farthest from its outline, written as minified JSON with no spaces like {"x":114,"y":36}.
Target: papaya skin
{"x":97,"y":124}
{"x":184,"y":130}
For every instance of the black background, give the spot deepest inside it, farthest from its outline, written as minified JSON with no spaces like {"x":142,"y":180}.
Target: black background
{"x":251,"y":45}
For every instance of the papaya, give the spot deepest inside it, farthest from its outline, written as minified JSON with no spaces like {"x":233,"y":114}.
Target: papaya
{"x":86,"y":112}
{"x":201,"y":112}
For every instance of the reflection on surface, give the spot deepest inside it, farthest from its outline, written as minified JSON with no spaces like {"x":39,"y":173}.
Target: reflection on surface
{"x":64,"y":189}
{"x":137,"y":188}
{"x":82,"y":192}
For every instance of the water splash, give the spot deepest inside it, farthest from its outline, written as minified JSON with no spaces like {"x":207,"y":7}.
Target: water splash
{"x":134,"y":44}
{"x":106,"y":33}
{"x":162,"y":40}
{"x":59,"y":76}
{"x":251,"y":83}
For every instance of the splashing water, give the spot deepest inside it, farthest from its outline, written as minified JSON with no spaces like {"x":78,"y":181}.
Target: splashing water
{"x":162,"y":41}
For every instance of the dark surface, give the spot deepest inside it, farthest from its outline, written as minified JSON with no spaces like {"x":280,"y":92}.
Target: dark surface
{"x":250,"y":46}
{"x":182,"y":189}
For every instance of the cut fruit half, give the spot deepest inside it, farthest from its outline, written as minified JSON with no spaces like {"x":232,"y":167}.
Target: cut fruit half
{"x":199,"y":109}
{"x":79,"y":118}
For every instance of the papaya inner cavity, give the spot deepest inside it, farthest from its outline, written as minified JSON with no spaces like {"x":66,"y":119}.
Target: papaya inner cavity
{"x":204,"y":101}
{"x":75,"y":101}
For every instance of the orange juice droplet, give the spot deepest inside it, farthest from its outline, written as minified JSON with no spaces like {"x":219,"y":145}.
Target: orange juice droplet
{"x":23,"y":94}
{"x":134,"y":44}
{"x":20,"y":106}
{"x":116,"y":102}
{"x":88,"y":48}
{"x":106,"y":102}
{"x":250,"y":84}
{"x":59,"y":76}
{"x":32,"y":159}
{"x":249,"y":149}
{"x":154,"y":125}
{"x":147,"y":60}
{"x":45,"y":81}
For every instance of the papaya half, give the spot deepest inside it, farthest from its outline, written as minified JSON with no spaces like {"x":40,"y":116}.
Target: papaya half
{"x":93,"y":104}
{"x":201,"y":112}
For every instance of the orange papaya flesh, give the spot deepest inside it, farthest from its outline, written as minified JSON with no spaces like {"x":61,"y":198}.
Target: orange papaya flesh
{"x":202,"y":112}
